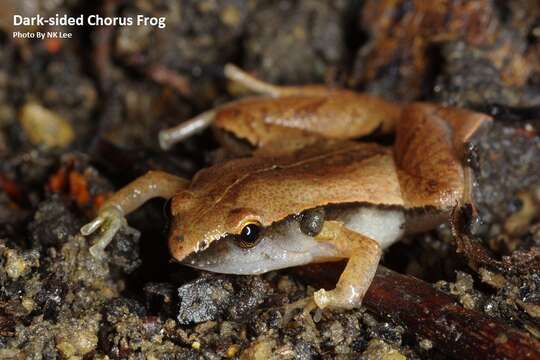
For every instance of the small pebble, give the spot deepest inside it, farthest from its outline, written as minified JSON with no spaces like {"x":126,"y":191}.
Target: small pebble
{"x":379,"y":350}
{"x":426,"y":344}
{"x":232,"y":351}
{"x":45,"y":127}
{"x":15,"y":264}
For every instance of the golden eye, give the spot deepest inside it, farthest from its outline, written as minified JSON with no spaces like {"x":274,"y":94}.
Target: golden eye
{"x":249,"y":237}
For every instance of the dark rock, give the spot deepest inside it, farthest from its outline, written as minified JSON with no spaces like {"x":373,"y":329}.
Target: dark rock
{"x":53,"y":223}
{"x":123,"y":252}
{"x":204,"y":299}
{"x":251,"y":292}
{"x":214,"y":296}
{"x":50,"y":297}
{"x":117,"y":308}
{"x":508,"y":162}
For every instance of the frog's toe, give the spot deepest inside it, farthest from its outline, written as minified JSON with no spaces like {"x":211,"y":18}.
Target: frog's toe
{"x":321,"y":298}
{"x":337,"y":299}
{"x":109,"y":221}
{"x":110,"y":229}
{"x":92,"y":226}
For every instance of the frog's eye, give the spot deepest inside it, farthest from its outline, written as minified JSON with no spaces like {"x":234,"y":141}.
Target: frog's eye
{"x":249,"y":237}
{"x":312,"y":221}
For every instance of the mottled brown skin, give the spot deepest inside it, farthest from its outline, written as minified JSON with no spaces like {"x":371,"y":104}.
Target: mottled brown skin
{"x":306,"y":162}
{"x":336,"y":114}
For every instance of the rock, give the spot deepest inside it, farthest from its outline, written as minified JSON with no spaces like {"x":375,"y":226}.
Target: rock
{"x":259,"y":350}
{"x":204,"y":299}
{"x":211,"y":297}
{"x":78,"y":338}
{"x":45,"y":127}
{"x":378,"y":349}
{"x":53,"y":223}
{"x":124,"y":251}
{"x":250,"y":294}
{"x":19,"y":264}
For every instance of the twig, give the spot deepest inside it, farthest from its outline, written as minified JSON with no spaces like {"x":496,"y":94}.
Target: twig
{"x":453,"y":330}
{"x":430,"y":314}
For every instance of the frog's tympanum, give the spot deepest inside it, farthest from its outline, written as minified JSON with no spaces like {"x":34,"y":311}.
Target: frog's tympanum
{"x":303,"y":191}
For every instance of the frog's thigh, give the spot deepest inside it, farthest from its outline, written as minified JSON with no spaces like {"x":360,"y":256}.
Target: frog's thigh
{"x":364,"y":254}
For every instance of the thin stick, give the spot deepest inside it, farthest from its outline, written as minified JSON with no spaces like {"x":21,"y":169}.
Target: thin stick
{"x":455,"y":331}
{"x":430,"y":314}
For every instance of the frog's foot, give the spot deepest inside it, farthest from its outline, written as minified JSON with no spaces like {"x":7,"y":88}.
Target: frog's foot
{"x":363,"y":253}
{"x":337,"y":298}
{"x":109,"y":221}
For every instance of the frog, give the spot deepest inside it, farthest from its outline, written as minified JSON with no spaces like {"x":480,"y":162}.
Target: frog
{"x":302,"y":186}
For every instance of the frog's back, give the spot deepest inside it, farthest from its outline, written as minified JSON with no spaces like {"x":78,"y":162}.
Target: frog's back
{"x":320,"y":174}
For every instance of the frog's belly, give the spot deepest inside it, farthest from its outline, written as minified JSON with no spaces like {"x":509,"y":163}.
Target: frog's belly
{"x":384,"y":225}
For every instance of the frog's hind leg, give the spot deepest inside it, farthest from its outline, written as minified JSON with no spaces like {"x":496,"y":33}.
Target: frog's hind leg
{"x":364,"y":254}
{"x":174,"y":135}
{"x":258,"y":86}
{"x":429,"y":150}
{"x":286,"y":112}
{"x":169,"y":137}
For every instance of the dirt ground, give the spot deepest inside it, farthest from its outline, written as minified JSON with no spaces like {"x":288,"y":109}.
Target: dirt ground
{"x":79,"y":118}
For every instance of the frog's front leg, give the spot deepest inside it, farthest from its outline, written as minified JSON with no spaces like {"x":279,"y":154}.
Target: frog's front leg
{"x":364,"y":254}
{"x":111,"y":216}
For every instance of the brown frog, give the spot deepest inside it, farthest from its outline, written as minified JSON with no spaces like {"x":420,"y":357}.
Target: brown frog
{"x":307,"y":193}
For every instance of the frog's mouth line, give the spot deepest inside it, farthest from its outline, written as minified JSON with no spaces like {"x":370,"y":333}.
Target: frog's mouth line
{"x":224,"y":256}
{"x":284,"y":244}
{"x":189,"y":262}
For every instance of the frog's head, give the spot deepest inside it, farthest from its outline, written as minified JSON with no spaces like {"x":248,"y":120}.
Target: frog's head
{"x":240,"y":240}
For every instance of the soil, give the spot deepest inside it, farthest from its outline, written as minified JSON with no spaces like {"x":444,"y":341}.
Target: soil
{"x":104,"y":96}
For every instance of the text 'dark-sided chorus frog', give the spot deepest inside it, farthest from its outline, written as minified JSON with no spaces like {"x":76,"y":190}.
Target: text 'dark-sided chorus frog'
{"x":307,"y":193}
